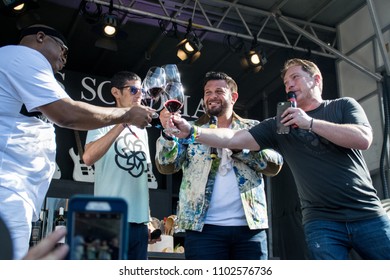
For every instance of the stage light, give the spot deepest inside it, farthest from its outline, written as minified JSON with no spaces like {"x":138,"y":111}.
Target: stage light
{"x":24,"y":11}
{"x":19,"y":8}
{"x":109,"y":33}
{"x":254,"y":58}
{"x":15,"y":5}
{"x":189,"y":47}
{"x":110,"y":25}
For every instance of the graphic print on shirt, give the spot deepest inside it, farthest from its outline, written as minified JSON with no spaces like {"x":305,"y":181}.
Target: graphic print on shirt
{"x":130,"y":155}
{"x":152,"y":182}
{"x":315,"y":143}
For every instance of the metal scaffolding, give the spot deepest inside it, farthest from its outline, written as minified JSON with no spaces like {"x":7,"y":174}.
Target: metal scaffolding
{"x":231,"y":18}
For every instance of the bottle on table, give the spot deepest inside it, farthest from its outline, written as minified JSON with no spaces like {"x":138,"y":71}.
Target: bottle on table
{"x":36,"y":231}
{"x":59,"y":223}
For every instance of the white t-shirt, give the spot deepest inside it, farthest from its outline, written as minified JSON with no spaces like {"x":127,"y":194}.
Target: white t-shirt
{"x":123,"y":170}
{"x":27,"y":144}
{"x":226,"y":206}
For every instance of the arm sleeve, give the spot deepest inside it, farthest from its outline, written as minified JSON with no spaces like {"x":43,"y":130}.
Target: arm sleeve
{"x":166,"y":156}
{"x":267,"y":161}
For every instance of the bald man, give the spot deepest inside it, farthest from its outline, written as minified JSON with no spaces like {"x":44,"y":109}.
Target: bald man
{"x":31,"y":100}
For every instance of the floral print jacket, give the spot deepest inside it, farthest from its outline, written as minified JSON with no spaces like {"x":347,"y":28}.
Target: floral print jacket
{"x":199,"y":175}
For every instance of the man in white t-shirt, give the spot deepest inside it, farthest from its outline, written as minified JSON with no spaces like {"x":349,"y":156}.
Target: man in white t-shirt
{"x":120,"y":154}
{"x":30,"y":101}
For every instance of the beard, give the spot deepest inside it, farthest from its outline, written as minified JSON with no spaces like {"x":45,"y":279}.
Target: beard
{"x":215,"y":110}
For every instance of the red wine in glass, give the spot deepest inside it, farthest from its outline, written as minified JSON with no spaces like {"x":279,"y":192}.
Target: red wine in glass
{"x":173,"y":105}
{"x":174,"y":100}
{"x":154,"y":83}
{"x":155,"y":92}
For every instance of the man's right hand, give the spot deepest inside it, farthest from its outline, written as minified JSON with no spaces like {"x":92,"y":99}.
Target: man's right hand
{"x":175,"y":120}
{"x":139,"y":116}
{"x":182,"y":125}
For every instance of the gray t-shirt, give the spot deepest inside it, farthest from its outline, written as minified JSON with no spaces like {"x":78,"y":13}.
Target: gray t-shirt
{"x":333,"y":182}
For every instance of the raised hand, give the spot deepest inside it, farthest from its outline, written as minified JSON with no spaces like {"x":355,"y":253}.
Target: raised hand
{"x":139,"y":116}
{"x":182,"y":124}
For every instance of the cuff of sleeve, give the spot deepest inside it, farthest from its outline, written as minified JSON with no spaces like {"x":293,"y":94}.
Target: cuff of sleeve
{"x":190,"y":139}
{"x":166,"y":143}
{"x":166,"y":137}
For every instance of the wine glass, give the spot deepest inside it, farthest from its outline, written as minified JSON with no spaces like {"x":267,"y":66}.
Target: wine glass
{"x":153,"y":85}
{"x":172,"y":73}
{"x":173,"y":101}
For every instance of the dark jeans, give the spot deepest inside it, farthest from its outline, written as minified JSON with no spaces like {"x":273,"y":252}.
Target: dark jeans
{"x":138,"y":242}
{"x":226,"y":243}
{"x":329,"y":240}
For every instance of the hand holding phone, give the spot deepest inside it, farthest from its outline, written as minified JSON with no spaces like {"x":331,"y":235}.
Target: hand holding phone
{"x":281,"y":107}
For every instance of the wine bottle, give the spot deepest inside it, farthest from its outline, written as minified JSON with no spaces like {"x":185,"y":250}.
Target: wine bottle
{"x":36,"y":231}
{"x":59,"y":223}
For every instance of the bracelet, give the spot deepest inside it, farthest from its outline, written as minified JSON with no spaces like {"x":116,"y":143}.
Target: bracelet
{"x":197,"y":131}
{"x":311,"y":125}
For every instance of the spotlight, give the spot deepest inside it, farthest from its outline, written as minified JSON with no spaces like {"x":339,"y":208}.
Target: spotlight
{"x":109,"y":33}
{"x":189,"y":47}
{"x":24,"y":11}
{"x":255,"y":60}
{"x":110,"y":24}
{"x":17,"y":7}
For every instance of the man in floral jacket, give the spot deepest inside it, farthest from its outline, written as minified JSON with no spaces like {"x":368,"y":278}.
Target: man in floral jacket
{"x":222,"y":203}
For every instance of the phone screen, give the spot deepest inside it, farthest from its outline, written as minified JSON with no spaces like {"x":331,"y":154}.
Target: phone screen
{"x":97,"y":234}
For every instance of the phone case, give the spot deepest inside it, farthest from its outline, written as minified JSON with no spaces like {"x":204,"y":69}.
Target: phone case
{"x":281,"y":107}
{"x":101,"y":221}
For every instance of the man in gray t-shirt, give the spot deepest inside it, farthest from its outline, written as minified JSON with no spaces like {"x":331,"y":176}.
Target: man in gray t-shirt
{"x":340,"y":207}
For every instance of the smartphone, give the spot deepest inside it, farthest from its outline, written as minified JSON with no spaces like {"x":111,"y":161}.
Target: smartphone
{"x":281,"y":107}
{"x":97,"y":228}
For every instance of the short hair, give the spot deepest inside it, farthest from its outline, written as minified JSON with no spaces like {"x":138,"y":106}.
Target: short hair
{"x":119,"y":79}
{"x":307,"y":66}
{"x":220,"y":76}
